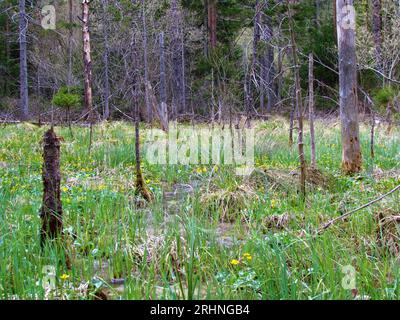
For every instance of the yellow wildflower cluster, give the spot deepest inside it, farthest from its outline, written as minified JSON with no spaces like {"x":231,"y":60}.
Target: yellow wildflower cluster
{"x":201,"y":170}
{"x":274,"y":203}
{"x":246,"y":257}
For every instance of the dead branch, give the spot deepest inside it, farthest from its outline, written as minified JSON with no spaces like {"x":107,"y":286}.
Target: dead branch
{"x":330,"y":223}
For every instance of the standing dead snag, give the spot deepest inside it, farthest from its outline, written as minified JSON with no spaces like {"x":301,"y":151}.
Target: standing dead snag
{"x":299,"y":104}
{"x":140,"y":185}
{"x":351,"y":149}
{"x":23,"y":66}
{"x":51,"y":211}
{"x":87,"y":60}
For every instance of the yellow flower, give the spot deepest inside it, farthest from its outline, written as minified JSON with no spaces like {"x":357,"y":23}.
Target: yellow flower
{"x":64,"y":189}
{"x":204,"y":169}
{"x":199,"y":170}
{"x":248,"y":256}
{"x":235,"y":262}
{"x":147,"y":181}
{"x":274,"y":203}
{"x":64,"y":277}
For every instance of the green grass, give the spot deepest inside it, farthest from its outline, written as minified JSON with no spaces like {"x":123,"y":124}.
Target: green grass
{"x":184,"y":249}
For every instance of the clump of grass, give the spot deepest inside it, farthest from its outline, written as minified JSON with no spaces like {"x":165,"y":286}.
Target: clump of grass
{"x":229,"y":203}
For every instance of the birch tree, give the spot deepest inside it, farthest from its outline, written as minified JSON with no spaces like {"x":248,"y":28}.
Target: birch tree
{"x":87,"y":60}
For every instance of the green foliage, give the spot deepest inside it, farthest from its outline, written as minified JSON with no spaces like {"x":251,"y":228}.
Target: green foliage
{"x":258,"y":255}
{"x":67,"y":97}
{"x":384,"y":96}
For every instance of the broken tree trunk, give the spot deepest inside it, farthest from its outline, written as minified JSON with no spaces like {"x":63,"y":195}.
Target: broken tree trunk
{"x":51,"y":211}
{"x":140,"y":186}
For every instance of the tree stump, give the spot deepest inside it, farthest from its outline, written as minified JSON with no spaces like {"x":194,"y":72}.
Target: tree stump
{"x":51,"y":211}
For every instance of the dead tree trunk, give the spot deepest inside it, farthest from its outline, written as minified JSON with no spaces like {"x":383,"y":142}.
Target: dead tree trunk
{"x":106,"y":113}
{"x":51,"y":211}
{"x":299,"y":103}
{"x":334,"y":20}
{"x":163,"y":83}
{"x":178,"y":63}
{"x":377,"y":32}
{"x":140,"y":185}
{"x":351,"y":150}
{"x":87,"y":60}
{"x":23,"y":64}
{"x":70,"y":35}
{"x":212,"y":23}
{"x":267,"y":62}
{"x":311,"y":107}
{"x":147,"y":85}
{"x":372,"y":135}
{"x":291,"y":115}
{"x":256,"y":61}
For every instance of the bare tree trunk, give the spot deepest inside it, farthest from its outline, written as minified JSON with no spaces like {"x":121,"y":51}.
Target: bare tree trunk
{"x":183,"y":97}
{"x":299,"y":103}
{"x":256,"y":61}
{"x":268,"y":67}
{"x":7,"y":51}
{"x":163,"y":84}
{"x":311,"y":107}
{"x":87,"y":60}
{"x":106,"y":114}
{"x":351,"y":157}
{"x":334,"y":20}
{"x":246,"y":85}
{"x":291,"y":116}
{"x":140,"y":185}
{"x":212,"y":23}
{"x":377,"y":32}
{"x":178,"y":63}
{"x":23,"y":64}
{"x":51,"y":211}
{"x":70,"y":35}
{"x":146,"y":65}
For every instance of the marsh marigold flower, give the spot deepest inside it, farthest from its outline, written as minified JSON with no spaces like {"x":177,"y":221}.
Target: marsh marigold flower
{"x":235,"y":262}
{"x":64,"y":277}
{"x":248,"y":256}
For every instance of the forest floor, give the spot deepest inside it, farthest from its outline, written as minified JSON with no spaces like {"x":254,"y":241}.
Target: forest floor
{"x":209,"y":233}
